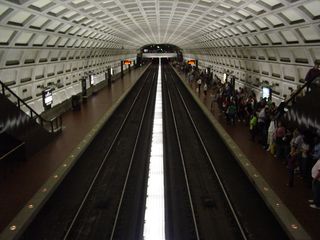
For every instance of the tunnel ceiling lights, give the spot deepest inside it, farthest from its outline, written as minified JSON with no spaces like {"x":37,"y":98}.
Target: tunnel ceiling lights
{"x":134,"y":23}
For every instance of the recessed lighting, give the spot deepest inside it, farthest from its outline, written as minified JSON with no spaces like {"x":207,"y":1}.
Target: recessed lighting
{"x":13,"y":227}
{"x":30,"y":206}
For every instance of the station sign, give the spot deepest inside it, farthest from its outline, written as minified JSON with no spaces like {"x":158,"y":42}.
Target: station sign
{"x":47,"y":98}
{"x":191,"y":62}
{"x":127,"y":62}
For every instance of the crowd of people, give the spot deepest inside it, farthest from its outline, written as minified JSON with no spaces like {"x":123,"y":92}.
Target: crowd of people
{"x":296,"y":147}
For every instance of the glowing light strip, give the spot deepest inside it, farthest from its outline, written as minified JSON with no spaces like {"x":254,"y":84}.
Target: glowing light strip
{"x":154,"y":226}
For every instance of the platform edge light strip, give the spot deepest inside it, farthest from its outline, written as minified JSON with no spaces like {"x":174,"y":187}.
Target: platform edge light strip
{"x":154,"y":226}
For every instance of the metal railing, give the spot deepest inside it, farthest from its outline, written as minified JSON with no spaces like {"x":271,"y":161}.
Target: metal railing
{"x":291,"y":100}
{"x":11,"y":151}
{"x":53,"y":125}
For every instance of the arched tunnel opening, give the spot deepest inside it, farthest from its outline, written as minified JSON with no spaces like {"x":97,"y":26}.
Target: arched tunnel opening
{"x":159,"y":50}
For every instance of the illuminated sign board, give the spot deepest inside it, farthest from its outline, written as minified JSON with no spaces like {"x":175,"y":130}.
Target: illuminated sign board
{"x":93,"y":79}
{"x":266,"y":92}
{"x":224,"y":78}
{"x":87,"y":84}
{"x":47,"y":98}
{"x":127,"y":62}
{"x":191,"y":62}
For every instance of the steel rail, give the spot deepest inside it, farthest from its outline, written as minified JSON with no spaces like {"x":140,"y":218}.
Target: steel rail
{"x":184,"y":166}
{"x":102,"y":164}
{"x":131,"y":160}
{"x":212,"y":166}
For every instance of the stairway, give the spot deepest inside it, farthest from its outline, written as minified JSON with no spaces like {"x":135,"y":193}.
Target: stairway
{"x":30,"y":129}
{"x":304,"y":111}
{"x":12,"y":152}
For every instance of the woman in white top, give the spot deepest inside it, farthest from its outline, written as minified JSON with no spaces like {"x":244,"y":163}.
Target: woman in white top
{"x":271,"y":131}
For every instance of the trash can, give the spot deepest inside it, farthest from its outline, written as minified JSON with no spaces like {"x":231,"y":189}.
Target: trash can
{"x":75,"y":102}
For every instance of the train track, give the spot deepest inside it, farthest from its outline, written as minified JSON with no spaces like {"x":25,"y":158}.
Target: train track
{"x":202,"y":201}
{"x":208,"y":200}
{"x":111,"y":199}
{"x":207,"y":195}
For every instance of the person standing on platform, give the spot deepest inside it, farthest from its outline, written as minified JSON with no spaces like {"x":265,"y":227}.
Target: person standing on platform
{"x":279,"y":140}
{"x":312,"y":74}
{"x":316,"y":149}
{"x":292,"y":164}
{"x":231,"y":113}
{"x":253,"y":126}
{"x":263,"y":125}
{"x":304,"y":158}
{"x":205,"y":89}
{"x":199,"y":85}
{"x":315,"y":172}
{"x":190,"y":77}
{"x":271,"y":132}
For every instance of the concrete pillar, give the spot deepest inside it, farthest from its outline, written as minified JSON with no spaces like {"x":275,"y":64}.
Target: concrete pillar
{"x":121,"y":69}
{"x":109,"y":77}
{"x":84,"y":87}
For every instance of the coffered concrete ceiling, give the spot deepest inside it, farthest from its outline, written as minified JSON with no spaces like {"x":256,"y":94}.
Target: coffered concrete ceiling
{"x":131,"y":24}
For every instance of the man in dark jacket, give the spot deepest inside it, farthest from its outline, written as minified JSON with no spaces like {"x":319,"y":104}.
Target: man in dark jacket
{"x":312,"y":74}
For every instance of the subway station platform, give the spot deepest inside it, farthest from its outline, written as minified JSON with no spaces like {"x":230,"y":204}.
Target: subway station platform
{"x":30,"y":176}
{"x":273,"y":172}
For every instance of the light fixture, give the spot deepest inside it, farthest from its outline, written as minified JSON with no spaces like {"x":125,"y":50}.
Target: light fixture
{"x":154,"y":224}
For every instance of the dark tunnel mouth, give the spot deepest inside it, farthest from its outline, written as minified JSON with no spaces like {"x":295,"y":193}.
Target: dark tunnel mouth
{"x":159,"y":48}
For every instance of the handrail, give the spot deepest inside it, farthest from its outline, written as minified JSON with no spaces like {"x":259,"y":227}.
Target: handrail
{"x":296,"y":92}
{"x":33,"y":113}
{"x":284,"y":104}
{"x":4,"y":87}
{"x":11,"y":151}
